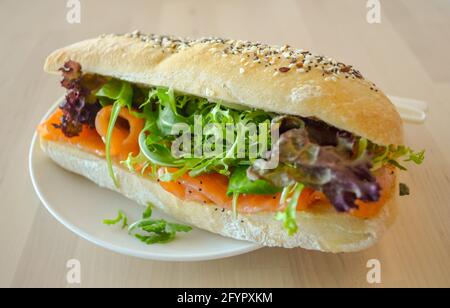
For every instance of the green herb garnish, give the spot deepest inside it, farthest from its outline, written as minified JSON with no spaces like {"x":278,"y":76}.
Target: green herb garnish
{"x":148,"y":230}
{"x":121,"y":217}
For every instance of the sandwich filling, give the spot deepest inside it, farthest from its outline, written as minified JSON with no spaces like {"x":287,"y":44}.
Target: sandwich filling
{"x":141,"y":127}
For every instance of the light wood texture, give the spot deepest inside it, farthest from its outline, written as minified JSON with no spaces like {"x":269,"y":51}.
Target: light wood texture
{"x":406,"y":55}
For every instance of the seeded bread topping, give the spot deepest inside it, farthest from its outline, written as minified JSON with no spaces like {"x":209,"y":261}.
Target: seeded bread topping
{"x":283,"y":59}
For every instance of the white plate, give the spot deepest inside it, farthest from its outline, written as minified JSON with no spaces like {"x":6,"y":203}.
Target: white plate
{"x":81,"y":206}
{"x":411,"y":110}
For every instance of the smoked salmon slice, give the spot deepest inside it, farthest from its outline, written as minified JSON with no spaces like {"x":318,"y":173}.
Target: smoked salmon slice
{"x":125,"y":133}
{"x":212,"y":188}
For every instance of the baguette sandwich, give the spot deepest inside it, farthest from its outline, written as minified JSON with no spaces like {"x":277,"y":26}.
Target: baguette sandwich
{"x":326,"y":178}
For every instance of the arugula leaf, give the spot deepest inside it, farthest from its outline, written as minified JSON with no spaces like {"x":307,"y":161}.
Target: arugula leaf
{"x":121,"y":94}
{"x":240,"y":183}
{"x":167,"y":119}
{"x":122,"y":217}
{"x":167,"y":98}
{"x":157,"y":153}
{"x":117,"y":90}
{"x":148,"y":212}
{"x":112,"y":122}
{"x":156,"y":238}
{"x":288,"y":217}
{"x":152,"y":231}
{"x":148,"y":230}
{"x":172,"y":227}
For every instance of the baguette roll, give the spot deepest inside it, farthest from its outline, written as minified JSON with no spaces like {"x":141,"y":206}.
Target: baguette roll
{"x":240,"y":74}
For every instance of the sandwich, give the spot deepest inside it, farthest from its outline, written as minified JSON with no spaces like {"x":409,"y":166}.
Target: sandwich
{"x":268,"y":144}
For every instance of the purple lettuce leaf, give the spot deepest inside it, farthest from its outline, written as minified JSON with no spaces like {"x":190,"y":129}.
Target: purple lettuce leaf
{"x":322,"y":158}
{"x":80,"y":106}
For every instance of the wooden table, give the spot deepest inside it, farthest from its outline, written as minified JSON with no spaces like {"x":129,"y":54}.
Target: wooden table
{"x":406,"y":55}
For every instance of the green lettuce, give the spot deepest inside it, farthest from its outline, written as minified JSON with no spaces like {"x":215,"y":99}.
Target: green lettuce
{"x":289,"y":216}
{"x":165,"y":109}
{"x":395,"y":156}
{"x":241,"y":184}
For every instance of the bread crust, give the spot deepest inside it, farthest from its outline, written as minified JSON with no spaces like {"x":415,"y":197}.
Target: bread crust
{"x":241,"y":73}
{"x":323,"y":230}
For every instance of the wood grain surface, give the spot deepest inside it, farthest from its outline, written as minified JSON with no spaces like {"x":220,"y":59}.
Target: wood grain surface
{"x":406,"y":55}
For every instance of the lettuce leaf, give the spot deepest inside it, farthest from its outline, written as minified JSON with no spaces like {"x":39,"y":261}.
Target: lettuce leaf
{"x":168,"y":108}
{"x":330,"y":169}
{"x":241,"y":184}
{"x":393,"y":155}
{"x":80,"y":107}
{"x":289,"y":216}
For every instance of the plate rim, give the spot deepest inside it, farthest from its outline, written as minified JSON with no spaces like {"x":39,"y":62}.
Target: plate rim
{"x":107,"y":245}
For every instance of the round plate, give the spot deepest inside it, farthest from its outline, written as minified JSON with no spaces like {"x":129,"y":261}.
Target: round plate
{"x":81,"y":206}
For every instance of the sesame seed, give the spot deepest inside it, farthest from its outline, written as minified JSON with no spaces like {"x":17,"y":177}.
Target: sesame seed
{"x":241,"y":70}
